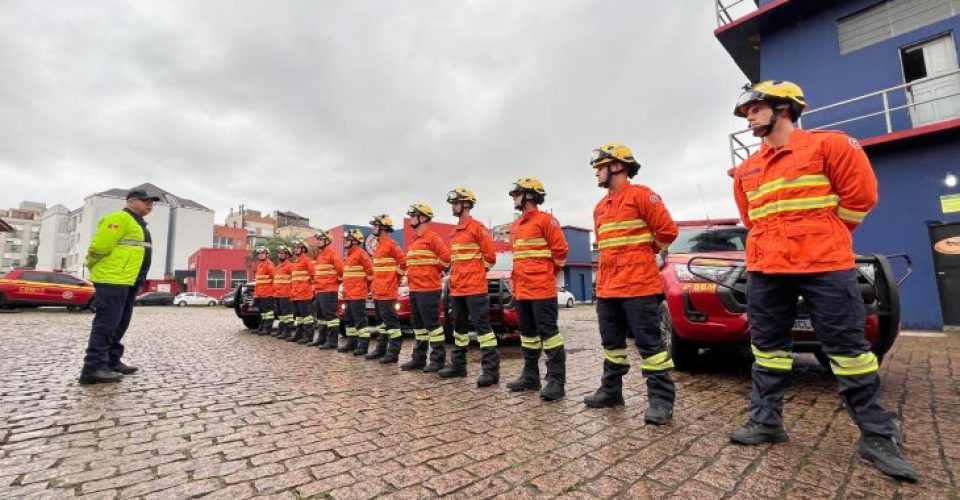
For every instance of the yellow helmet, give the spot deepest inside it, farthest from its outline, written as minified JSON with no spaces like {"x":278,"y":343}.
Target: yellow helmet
{"x":774,"y":92}
{"x":301,"y":244}
{"x":282,"y":248}
{"x":420,"y":208}
{"x":461,"y":194}
{"x":323,"y":234}
{"x":353,"y":235}
{"x":615,"y":151}
{"x":382,"y":220}
{"x":529,"y":185}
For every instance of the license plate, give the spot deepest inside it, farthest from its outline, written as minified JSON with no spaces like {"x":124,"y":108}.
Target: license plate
{"x":370,"y":304}
{"x":803,"y":325}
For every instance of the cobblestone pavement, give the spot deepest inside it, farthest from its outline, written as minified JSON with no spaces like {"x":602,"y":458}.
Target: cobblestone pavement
{"x":217,"y":411}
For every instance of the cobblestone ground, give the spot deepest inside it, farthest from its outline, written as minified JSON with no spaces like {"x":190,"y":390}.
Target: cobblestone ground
{"x":217,"y":411}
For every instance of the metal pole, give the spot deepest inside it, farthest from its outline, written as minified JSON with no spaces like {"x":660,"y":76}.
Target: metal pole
{"x":886,"y":112}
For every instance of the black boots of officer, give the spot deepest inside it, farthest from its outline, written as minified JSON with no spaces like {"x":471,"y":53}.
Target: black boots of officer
{"x":319,"y":336}
{"x":418,"y":359}
{"x":393,"y":351}
{"x":458,"y":364}
{"x":381,"y":349}
{"x":529,"y":379}
{"x":266,"y":327}
{"x":305,"y":333}
{"x":489,"y":366}
{"x":885,"y":454}
{"x":332,"y":337}
{"x":556,"y":374}
{"x":610,"y":392}
{"x":438,"y":357}
{"x":349,"y":345}
{"x":363,"y":344}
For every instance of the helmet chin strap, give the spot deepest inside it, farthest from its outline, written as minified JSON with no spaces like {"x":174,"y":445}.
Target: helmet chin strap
{"x":606,"y":183}
{"x":768,"y":128}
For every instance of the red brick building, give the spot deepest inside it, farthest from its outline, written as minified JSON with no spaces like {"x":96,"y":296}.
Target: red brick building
{"x":218,"y":270}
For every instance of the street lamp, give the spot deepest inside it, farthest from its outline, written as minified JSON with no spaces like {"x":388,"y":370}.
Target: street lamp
{"x":950,"y":181}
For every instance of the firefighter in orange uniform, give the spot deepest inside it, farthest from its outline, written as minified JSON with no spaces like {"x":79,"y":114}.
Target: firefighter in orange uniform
{"x":326,"y":283}
{"x":263,"y":292}
{"x":471,"y":255}
{"x":281,"y":290}
{"x":801,"y":195}
{"x":301,"y":292}
{"x":427,"y":258}
{"x":357,"y":275}
{"x":539,"y":253}
{"x":389,"y":265}
{"x":632,"y":225}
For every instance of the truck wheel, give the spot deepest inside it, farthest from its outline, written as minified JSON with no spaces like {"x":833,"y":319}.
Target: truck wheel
{"x":683,"y":353}
{"x":251,"y":322}
{"x":569,"y":303}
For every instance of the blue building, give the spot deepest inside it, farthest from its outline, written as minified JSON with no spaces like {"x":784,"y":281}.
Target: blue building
{"x":885,"y":72}
{"x":577,"y":275}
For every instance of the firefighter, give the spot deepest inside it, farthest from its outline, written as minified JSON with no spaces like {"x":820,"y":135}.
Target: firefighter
{"x":539,"y":253}
{"x":471,"y":255}
{"x":281,"y":292}
{"x":801,"y":195}
{"x":329,"y":274}
{"x":301,"y":292}
{"x":263,"y":292}
{"x":357,"y":275}
{"x":632,"y":225}
{"x":427,"y":258}
{"x":389,"y":265}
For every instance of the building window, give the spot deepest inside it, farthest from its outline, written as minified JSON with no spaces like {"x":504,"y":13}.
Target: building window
{"x":886,"y":20}
{"x":216,"y":278}
{"x":237,"y":278}
{"x":222,"y":242}
{"x":930,"y":69}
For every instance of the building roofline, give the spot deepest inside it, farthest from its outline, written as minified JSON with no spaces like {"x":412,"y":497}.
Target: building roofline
{"x":5,"y":227}
{"x":933,"y":132}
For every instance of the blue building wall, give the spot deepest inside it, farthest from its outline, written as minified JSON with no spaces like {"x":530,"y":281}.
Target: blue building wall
{"x":578,"y":279}
{"x":808,"y":53}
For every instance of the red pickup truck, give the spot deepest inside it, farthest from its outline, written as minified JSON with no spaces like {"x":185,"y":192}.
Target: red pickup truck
{"x":32,"y":288}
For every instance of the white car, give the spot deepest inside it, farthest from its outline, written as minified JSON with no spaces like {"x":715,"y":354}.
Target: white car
{"x":565,"y":298}
{"x":194,"y":299}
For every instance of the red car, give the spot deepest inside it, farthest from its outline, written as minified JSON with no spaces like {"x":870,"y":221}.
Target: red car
{"x":704,"y":303}
{"x":31,"y":288}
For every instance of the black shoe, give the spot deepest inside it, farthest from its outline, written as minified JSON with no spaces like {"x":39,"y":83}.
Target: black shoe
{"x":887,"y":457}
{"x":347,"y":347}
{"x":124,"y":369}
{"x":432,"y":368}
{"x":524,"y":384}
{"x":101,"y":376}
{"x":389,"y":358}
{"x":450,"y":372}
{"x":657,"y":415}
{"x":603,"y":399}
{"x":754,"y":433}
{"x":553,"y":391}
{"x":487,"y":379}
{"x":413,"y":364}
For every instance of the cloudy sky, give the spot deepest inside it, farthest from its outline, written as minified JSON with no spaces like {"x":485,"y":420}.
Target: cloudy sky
{"x":341,"y":109}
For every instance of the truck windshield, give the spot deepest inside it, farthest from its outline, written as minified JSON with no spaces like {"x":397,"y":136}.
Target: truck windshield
{"x":713,"y":239}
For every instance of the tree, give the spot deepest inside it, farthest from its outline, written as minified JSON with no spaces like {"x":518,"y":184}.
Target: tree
{"x":271,"y":244}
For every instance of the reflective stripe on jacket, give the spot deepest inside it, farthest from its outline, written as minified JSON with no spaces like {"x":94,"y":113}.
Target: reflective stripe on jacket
{"x":116,"y":250}
{"x":539,"y":253}
{"x":329,"y":270}
{"x":264,"y":279}
{"x":471,"y":255}
{"x":357,"y":274}
{"x":427,"y":258}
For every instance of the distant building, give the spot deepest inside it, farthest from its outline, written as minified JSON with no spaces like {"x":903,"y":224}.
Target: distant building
{"x":18,"y":246}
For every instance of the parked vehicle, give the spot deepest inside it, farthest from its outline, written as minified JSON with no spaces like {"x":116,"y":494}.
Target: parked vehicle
{"x":226,"y":300}
{"x":194,"y":299}
{"x":705,"y":295}
{"x":32,"y":288}
{"x":154,"y":299}
{"x":565,"y":297}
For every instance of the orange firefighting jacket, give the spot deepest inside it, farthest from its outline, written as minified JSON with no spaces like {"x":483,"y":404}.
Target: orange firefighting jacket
{"x":281,"y":279}
{"x":801,"y":202}
{"x":264,"y":279}
{"x":329,"y":270}
{"x":389,"y":263}
{"x":471,"y":254}
{"x":301,"y":287}
{"x":539,"y":253}
{"x":632,"y":225}
{"x":427,"y":258}
{"x":357,"y":274}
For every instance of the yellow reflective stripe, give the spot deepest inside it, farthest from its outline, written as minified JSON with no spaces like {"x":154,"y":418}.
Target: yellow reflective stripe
{"x":421,"y":334}
{"x":532,"y":254}
{"x":658,"y":362}
{"x":529,"y":243}
{"x":351,"y":331}
{"x":465,"y":256}
{"x":385,"y":260}
{"x":353,"y":268}
{"x":353,"y":275}
{"x":487,"y":340}
{"x":363,"y":333}
{"x":553,"y":342}
{"x":267,"y":315}
{"x":617,"y":356}
{"x":394,"y":333}
{"x":781,"y":183}
{"x":845,"y":366}
{"x":774,"y":360}
{"x":422,"y":253}
{"x":465,"y":246}
{"x":850,"y":215}
{"x":325,"y":266}
{"x":530,"y":342}
{"x":436,"y":335}
{"x":794,"y":204}
{"x":625,"y":240}
{"x":383,"y":269}
{"x":423,"y":262}
{"x":333,"y":323}
{"x":325,"y":273}
{"x":461,"y":340}
{"x":623,"y":224}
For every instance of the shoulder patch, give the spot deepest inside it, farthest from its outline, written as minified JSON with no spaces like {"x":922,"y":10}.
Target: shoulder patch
{"x":113,"y":227}
{"x":654,"y":199}
{"x":854,"y":143}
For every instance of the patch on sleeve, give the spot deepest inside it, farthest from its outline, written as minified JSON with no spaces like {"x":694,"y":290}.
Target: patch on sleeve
{"x":113,"y":227}
{"x":654,"y":199}
{"x":554,"y":222}
{"x":853,"y":143}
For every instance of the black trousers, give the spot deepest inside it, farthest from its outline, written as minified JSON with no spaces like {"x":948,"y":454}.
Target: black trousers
{"x":266,"y":305}
{"x":837,"y":313}
{"x":387,"y":311}
{"x":355,"y":318}
{"x":539,"y":332}
{"x":285,"y":310}
{"x":326,"y":307}
{"x":472,"y":309}
{"x":114,"y":308}
{"x":303,"y":313}
{"x":636,"y":317}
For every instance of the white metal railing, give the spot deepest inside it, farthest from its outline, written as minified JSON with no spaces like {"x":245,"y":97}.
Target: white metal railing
{"x":742,"y":143}
{"x":728,"y":10}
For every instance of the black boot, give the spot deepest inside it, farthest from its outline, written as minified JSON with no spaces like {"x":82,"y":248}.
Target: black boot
{"x":886,"y":456}
{"x":529,"y":379}
{"x":657,"y":415}
{"x":438,"y":357}
{"x":101,"y":376}
{"x":458,"y":364}
{"x":393,"y":351}
{"x":753,"y":433}
{"x":610,"y":392}
{"x":281,"y":329}
{"x":349,"y":345}
{"x":490,"y":367}
{"x":381,"y":348}
{"x":418,"y":358}
{"x":290,"y":332}
{"x":333,"y":335}
{"x":556,"y":374}
{"x":319,"y":336}
{"x":362,"y":346}
{"x":553,"y":390}
{"x":307,"y":335}
{"x":266,"y":327}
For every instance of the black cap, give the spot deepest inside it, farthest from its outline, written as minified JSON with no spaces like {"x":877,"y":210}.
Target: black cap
{"x":140,"y":194}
